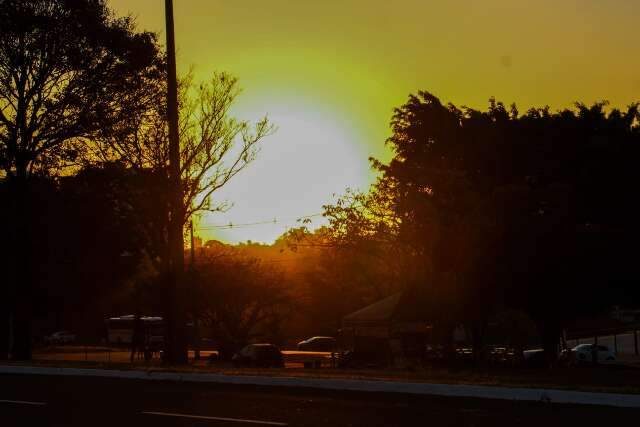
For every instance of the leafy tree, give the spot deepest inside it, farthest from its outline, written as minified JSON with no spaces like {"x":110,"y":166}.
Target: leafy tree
{"x":241,"y":300}
{"x":89,"y":246}
{"x":214,"y":148}
{"x":336,"y":273}
{"x":501,"y":210}
{"x":86,"y":246}
{"x":68,"y":70}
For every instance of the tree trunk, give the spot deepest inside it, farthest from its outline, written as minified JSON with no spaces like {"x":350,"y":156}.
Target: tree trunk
{"x":4,"y":328}
{"x":551,"y":333}
{"x":22,"y":277}
{"x":22,"y":323}
{"x":448,"y":343}
{"x":479,"y":332}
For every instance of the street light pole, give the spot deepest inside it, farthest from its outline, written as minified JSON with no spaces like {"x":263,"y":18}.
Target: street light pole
{"x":176,"y":332}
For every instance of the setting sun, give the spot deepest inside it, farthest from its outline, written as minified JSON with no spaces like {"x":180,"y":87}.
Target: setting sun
{"x":309,"y":158}
{"x":328,"y":76}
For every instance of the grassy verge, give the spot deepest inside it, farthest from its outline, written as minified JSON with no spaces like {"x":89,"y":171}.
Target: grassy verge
{"x":612,"y":379}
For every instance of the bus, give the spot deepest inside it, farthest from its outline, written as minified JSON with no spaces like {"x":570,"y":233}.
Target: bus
{"x":120,"y":329}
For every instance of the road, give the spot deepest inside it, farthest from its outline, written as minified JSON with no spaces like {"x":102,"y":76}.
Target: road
{"x":85,"y":401}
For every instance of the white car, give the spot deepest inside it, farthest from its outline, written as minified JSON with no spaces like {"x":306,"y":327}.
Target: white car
{"x":60,"y":337}
{"x":583,"y":353}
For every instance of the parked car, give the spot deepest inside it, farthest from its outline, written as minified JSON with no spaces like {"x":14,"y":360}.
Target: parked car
{"x":60,"y":337}
{"x":583,"y":353}
{"x":259,"y":355}
{"x":318,"y":344}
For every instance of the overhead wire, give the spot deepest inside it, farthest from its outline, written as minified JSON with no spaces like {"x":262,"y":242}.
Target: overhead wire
{"x":231,"y":225}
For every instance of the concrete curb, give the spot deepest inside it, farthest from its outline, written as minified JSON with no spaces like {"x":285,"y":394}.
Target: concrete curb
{"x":449,"y":390}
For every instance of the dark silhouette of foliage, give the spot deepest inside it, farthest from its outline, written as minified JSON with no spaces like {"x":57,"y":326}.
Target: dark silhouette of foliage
{"x":241,"y":299}
{"x":69,"y":71}
{"x":498,"y":209}
{"x":214,"y":145}
{"x":85,"y":247}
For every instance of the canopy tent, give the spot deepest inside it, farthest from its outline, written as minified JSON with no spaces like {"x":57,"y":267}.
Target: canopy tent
{"x":402,"y":312}
{"x":381,"y":311}
{"x":388,"y":329}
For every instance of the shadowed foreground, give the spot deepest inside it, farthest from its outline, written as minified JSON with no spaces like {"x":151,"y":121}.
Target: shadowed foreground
{"x":66,"y":401}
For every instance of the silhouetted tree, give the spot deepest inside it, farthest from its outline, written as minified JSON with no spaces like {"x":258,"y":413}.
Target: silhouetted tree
{"x":214,"y":145}
{"x":67,"y":70}
{"x":337,"y":273}
{"x":241,"y":300}
{"x":85,"y":248}
{"x":499,"y":209}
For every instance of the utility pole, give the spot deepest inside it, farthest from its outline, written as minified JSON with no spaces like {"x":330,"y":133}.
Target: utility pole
{"x":176,"y":347}
{"x":194,"y":287}
{"x":193,"y":247}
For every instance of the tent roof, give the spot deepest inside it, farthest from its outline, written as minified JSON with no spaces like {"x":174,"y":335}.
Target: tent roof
{"x":380,"y":311}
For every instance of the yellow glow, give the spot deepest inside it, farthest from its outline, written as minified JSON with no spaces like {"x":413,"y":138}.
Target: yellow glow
{"x":329,"y":74}
{"x":311,"y":157}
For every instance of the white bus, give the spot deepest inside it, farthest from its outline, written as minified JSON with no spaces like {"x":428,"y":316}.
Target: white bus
{"x":120,"y":329}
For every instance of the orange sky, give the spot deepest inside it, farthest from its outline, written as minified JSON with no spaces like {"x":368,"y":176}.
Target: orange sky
{"x":329,"y":73}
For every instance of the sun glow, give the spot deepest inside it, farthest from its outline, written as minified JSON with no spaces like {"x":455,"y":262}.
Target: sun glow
{"x":329,"y":75}
{"x":312,"y":156}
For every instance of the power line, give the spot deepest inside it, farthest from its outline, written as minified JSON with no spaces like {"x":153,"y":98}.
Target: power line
{"x":285,"y":260}
{"x":231,"y":225}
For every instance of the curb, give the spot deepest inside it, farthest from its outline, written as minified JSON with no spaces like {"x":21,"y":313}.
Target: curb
{"x":448,"y":390}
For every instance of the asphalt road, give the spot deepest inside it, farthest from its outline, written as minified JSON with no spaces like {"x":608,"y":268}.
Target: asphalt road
{"x":84,"y":401}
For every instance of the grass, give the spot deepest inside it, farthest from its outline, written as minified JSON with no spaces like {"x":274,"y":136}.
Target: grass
{"x":613,"y":379}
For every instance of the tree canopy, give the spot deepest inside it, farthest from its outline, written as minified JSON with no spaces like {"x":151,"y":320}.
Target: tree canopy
{"x":495,"y":209}
{"x":69,"y":70}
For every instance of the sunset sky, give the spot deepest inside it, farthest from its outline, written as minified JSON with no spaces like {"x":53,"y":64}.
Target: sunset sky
{"x":329,"y":73}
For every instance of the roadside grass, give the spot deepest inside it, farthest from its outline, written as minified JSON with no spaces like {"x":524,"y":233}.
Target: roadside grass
{"x":611,"y":379}
{"x":69,"y":349}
